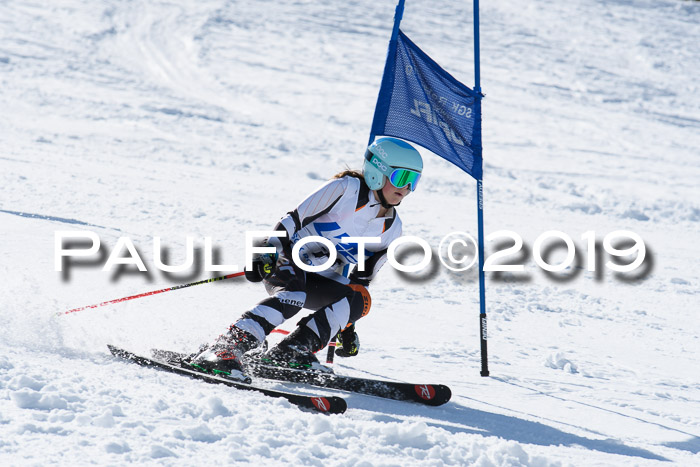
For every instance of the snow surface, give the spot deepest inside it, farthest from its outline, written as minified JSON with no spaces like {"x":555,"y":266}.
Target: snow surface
{"x":212,"y":118}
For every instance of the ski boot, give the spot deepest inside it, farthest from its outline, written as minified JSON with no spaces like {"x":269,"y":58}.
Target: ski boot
{"x":224,"y":356}
{"x":296,"y":351}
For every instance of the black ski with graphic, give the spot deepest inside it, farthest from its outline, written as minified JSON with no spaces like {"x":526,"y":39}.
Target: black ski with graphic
{"x":428,"y":394}
{"x":326,"y":404}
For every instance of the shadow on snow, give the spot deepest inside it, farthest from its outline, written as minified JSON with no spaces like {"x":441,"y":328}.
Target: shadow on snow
{"x":457,"y":418}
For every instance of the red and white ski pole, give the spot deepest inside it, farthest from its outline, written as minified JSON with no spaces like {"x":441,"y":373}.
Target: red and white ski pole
{"x":154,"y":292}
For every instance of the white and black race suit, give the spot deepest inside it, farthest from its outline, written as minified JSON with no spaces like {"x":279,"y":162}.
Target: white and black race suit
{"x":343,"y":207}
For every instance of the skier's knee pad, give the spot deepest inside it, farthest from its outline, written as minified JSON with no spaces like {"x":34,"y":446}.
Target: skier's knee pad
{"x":361,"y":302}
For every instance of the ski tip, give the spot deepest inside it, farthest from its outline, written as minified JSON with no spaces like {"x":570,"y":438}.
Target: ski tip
{"x":433,"y":394}
{"x":330,"y":405}
{"x":446,"y":394}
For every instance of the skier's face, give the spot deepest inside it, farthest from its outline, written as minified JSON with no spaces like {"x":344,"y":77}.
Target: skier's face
{"x":394,"y":195}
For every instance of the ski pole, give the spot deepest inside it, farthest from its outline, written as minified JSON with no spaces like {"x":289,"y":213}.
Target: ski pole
{"x":154,"y":292}
{"x":331,"y":352}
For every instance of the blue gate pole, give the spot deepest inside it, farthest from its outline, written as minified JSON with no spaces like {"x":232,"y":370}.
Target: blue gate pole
{"x":483,"y":335}
{"x":398,"y":15}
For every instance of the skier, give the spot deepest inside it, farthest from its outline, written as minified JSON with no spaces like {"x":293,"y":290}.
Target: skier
{"x":351,"y":204}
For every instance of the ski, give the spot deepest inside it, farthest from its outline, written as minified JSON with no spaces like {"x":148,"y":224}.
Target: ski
{"x":325,"y":404}
{"x":428,"y":394}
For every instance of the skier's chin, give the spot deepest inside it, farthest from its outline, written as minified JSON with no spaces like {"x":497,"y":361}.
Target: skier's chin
{"x":395,"y":198}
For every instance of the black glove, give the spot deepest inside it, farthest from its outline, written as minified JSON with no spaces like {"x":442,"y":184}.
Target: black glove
{"x":348,"y":344}
{"x":263,"y":266}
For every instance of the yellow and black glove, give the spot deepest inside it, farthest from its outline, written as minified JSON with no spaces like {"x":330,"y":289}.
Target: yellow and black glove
{"x":263,"y":265}
{"x":348,"y":343}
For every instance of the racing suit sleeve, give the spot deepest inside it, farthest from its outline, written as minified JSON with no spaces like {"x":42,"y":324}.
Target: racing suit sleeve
{"x":372,"y":267}
{"x":315,"y":205}
{"x":378,"y":258}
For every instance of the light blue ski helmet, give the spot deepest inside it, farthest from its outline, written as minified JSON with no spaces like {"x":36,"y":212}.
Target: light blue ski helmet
{"x":394,"y":159}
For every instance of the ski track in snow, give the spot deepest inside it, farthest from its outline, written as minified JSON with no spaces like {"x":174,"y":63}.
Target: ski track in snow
{"x":146,"y":119}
